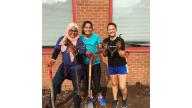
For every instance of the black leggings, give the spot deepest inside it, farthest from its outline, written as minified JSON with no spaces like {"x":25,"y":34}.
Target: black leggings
{"x":95,"y":76}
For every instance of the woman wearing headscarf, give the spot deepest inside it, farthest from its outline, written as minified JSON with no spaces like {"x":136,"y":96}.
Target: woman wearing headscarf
{"x":72,"y":50}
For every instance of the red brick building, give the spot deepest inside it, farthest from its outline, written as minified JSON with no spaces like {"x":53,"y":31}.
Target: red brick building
{"x":100,"y":12}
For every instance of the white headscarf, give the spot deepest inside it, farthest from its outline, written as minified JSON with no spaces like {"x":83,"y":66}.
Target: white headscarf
{"x":73,"y":40}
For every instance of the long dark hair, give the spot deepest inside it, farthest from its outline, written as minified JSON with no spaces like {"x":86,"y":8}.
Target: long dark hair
{"x":84,"y":23}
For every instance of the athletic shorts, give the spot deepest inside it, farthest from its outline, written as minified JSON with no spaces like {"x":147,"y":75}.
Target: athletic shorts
{"x":118,"y":70}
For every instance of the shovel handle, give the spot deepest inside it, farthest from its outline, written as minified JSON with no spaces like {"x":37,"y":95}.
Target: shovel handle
{"x":50,"y":72}
{"x":89,"y":78}
{"x":51,"y":86}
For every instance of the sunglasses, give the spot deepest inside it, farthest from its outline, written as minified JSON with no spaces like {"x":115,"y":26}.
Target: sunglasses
{"x":74,"y":31}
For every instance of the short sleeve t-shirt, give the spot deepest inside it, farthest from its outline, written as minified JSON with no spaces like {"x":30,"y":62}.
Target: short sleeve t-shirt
{"x":91,"y":44}
{"x":115,"y":60}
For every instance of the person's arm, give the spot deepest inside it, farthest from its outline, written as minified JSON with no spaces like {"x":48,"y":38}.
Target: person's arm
{"x":100,"y":46}
{"x":81,"y":51}
{"x":105,"y":49}
{"x":54,"y":57}
{"x":81,"y":46}
{"x":121,"y":48}
{"x":55,"y":53}
{"x":121,"y":53}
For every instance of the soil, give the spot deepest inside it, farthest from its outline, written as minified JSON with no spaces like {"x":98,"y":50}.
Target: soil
{"x":138,"y":97}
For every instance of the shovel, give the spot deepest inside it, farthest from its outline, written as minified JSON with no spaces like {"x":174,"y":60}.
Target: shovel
{"x":51,"y":86}
{"x":90,"y":104}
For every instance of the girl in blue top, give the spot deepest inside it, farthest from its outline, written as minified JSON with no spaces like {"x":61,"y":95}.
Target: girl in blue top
{"x":92,"y":44}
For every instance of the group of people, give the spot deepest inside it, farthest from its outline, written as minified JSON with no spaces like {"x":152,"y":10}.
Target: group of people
{"x":76,"y":52}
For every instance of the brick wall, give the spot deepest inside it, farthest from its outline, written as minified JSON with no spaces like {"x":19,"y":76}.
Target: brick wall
{"x":138,"y":63}
{"x":139,"y":68}
{"x":96,"y":11}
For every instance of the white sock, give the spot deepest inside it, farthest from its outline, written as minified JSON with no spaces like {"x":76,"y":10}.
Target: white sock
{"x":100,"y":97}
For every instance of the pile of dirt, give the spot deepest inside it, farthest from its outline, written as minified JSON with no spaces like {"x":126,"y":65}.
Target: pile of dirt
{"x":62,"y":98}
{"x":142,"y":90}
{"x":138,"y":97}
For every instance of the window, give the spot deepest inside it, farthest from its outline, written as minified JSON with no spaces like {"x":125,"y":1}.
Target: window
{"x":56,"y":14}
{"x":133,"y":19}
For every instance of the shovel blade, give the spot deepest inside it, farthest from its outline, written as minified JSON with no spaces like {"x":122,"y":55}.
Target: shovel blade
{"x":90,"y":105}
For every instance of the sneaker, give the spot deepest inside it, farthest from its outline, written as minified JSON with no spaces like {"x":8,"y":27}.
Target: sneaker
{"x":102,"y":101}
{"x":124,"y":104}
{"x":114,"y":104}
{"x":89,"y":100}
